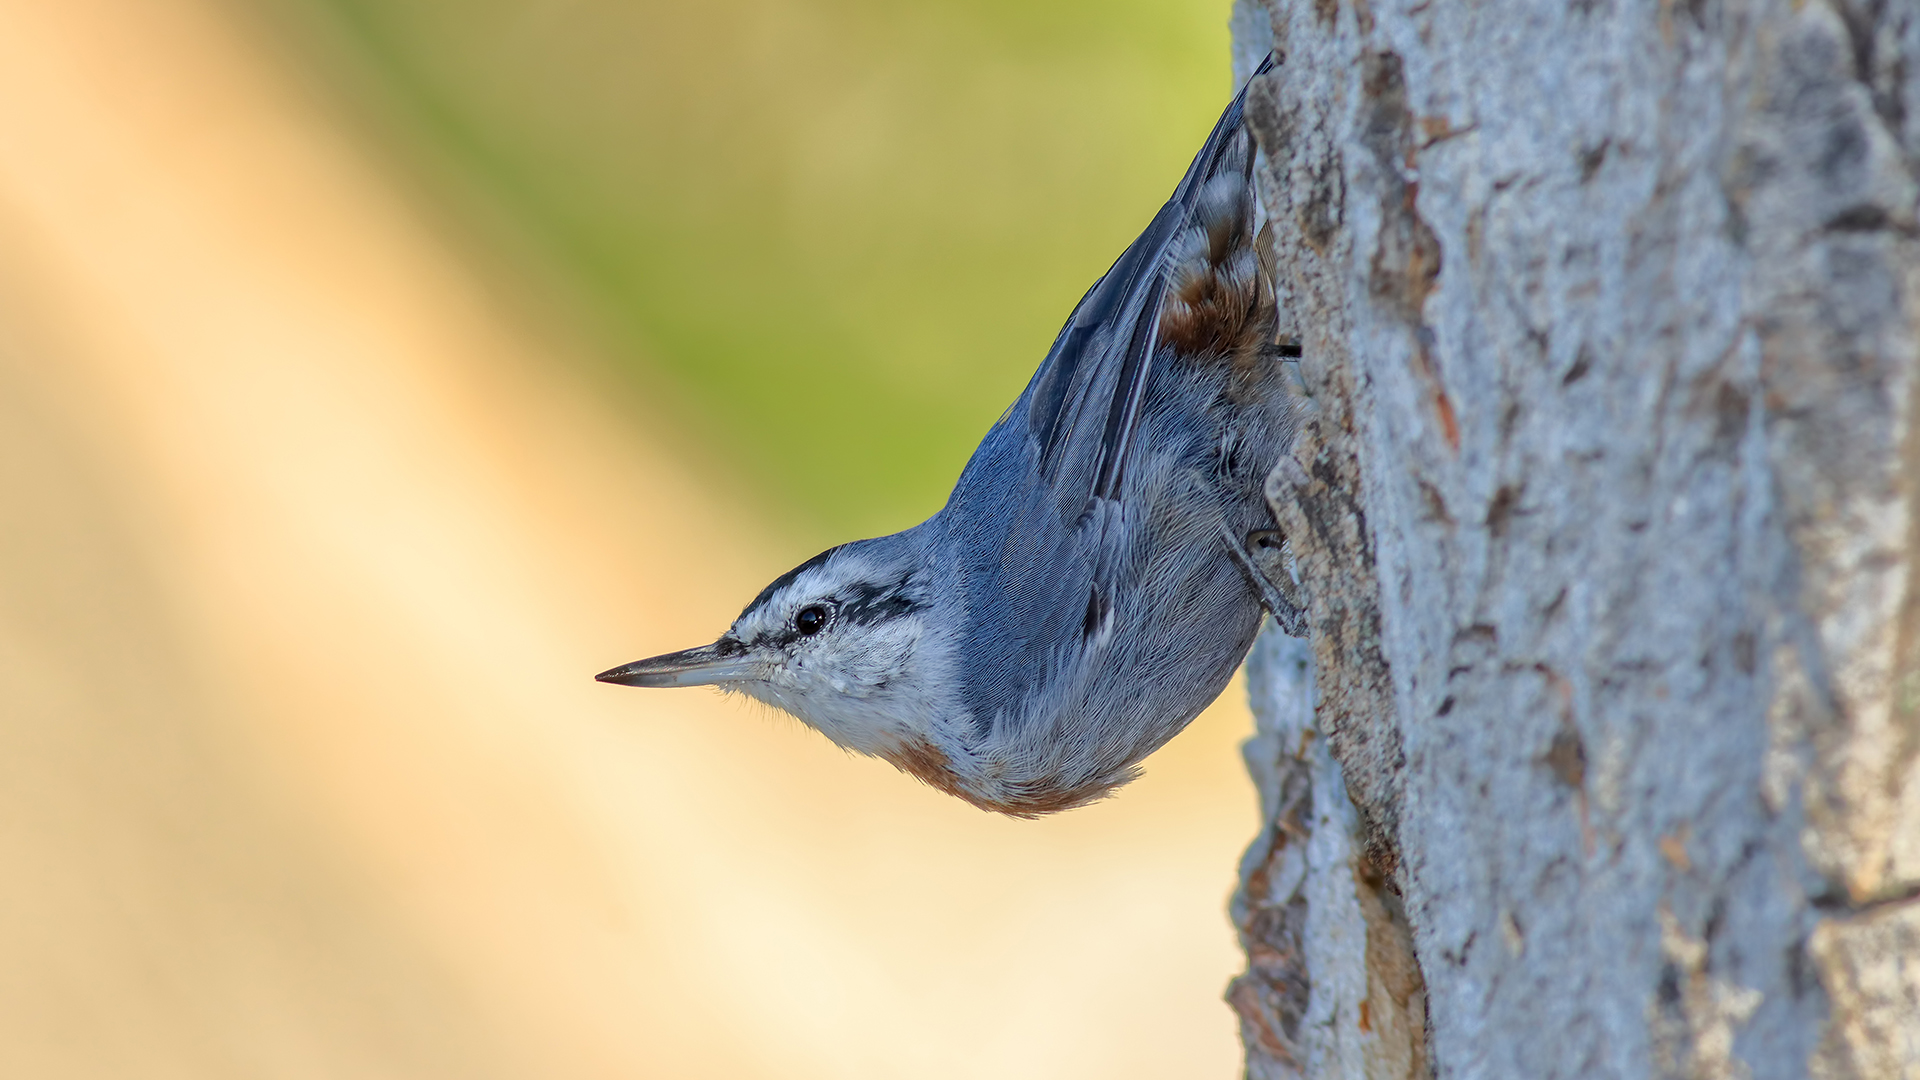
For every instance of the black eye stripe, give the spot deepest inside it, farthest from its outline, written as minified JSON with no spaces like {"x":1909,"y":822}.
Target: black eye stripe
{"x":864,"y":603}
{"x":868,"y":603}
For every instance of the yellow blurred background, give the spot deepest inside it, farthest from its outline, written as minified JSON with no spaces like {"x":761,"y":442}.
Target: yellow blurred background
{"x":363,"y":390}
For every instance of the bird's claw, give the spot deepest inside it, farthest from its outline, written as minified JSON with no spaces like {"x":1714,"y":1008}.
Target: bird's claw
{"x":1262,"y":559}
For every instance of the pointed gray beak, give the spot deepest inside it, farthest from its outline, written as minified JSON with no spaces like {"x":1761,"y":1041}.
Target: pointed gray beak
{"x":723,"y":661}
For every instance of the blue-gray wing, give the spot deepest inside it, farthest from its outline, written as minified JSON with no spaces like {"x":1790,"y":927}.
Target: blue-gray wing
{"x":1084,"y":403}
{"x":1038,"y":516}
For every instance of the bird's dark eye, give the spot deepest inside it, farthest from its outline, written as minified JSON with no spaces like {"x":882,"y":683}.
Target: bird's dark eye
{"x":811,"y":619}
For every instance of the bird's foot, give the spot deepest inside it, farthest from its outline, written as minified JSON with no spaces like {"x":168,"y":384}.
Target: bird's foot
{"x":1263,"y":560}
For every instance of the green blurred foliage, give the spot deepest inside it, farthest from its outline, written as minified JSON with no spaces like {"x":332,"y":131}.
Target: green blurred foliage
{"x":837,"y":234}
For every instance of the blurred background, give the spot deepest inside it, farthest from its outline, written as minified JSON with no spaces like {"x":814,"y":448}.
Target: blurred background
{"x":372,"y":372}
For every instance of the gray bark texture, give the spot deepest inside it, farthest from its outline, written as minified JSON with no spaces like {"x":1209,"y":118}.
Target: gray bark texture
{"x":1603,"y":758}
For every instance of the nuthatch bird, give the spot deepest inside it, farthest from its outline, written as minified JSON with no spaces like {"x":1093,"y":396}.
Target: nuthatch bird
{"x":1101,"y":567}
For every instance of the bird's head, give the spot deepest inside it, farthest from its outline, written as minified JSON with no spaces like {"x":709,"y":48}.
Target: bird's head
{"x":844,"y":641}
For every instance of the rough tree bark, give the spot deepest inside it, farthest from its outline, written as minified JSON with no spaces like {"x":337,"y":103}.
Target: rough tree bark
{"x":1604,"y":757}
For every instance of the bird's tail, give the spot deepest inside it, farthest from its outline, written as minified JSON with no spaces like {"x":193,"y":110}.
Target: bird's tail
{"x":1218,"y":303}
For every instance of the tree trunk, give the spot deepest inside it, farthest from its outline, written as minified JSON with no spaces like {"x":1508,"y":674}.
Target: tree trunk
{"x":1603,"y":759}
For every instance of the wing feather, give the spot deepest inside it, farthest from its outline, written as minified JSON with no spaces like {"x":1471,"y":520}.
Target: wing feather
{"x":1085,"y":401}
{"x":1044,"y":561}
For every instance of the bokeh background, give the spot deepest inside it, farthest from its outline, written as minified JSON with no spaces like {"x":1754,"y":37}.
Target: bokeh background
{"x":374,"y":371}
